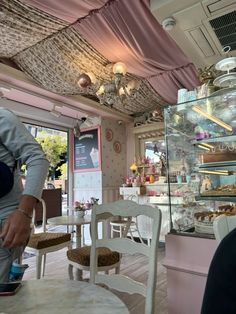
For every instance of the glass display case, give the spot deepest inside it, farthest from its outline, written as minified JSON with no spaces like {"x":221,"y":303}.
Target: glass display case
{"x":201,"y":151}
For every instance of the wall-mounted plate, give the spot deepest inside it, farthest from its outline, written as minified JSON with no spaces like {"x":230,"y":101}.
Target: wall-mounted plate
{"x":117,"y":147}
{"x":109,"y":135}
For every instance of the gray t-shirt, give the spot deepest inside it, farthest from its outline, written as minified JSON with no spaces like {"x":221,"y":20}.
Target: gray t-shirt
{"x":18,"y":145}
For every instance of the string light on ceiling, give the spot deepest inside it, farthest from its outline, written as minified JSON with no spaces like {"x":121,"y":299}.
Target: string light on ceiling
{"x":116,"y":91}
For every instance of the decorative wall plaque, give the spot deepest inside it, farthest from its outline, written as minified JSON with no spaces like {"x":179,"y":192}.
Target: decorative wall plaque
{"x":117,"y":147}
{"x":109,"y":134}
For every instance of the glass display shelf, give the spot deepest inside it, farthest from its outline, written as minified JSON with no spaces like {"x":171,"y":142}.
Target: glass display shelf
{"x":227,"y":138}
{"x":223,"y":198}
{"x":219,"y":164}
{"x":201,"y":142}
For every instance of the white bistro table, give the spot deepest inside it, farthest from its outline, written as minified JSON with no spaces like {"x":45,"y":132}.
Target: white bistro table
{"x":61,"y":297}
{"x":72,"y":220}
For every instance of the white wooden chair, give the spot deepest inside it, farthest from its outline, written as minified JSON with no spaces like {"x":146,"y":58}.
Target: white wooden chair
{"x":45,"y":242}
{"x":222,"y":225}
{"x":118,"y":226}
{"x":79,"y":258}
{"x":125,"y":245}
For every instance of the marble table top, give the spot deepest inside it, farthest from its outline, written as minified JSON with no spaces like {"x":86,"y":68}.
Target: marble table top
{"x":61,"y":297}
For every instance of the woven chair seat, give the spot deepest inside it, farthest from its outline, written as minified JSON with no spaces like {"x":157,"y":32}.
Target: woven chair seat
{"x":106,"y":257}
{"x":46,"y":239}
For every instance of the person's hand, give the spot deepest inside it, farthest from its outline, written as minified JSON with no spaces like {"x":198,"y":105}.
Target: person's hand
{"x":16,"y":230}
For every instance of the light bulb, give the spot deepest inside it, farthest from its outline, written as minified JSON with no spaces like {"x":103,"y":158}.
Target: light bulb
{"x":119,"y":68}
{"x":133,"y":84}
{"x":101,"y":90}
{"x":121,"y":91}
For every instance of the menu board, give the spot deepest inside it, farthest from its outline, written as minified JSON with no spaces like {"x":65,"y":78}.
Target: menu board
{"x":87,"y":150}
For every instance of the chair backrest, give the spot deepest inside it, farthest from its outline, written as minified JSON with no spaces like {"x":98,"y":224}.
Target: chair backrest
{"x":119,"y":282}
{"x":222,"y":225}
{"x":43,"y":216}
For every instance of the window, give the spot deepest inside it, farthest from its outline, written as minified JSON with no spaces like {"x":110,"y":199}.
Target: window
{"x":154,"y":149}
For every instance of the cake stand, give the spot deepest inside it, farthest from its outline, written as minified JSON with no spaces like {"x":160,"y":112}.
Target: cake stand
{"x":228,"y":79}
{"x":226,"y":64}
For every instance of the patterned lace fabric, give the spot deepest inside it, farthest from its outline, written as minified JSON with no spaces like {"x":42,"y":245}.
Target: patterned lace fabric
{"x":54,"y":54}
{"x":22,"y":26}
{"x":57,"y":62}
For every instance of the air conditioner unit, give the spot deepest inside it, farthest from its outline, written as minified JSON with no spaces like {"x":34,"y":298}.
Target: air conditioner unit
{"x":209,"y":26}
{"x":222,"y":28}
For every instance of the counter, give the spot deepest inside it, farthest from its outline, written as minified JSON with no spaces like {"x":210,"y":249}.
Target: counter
{"x":187,"y":262}
{"x":144,"y":195}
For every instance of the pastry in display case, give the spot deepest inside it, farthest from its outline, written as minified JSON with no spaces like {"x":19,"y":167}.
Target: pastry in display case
{"x":203,"y":221}
{"x":201,"y":137}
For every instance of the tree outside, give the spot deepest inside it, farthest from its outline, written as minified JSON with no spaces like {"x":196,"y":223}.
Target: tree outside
{"x":54,"y":144}
{"x":55,"y":147}
{"x":63,"y":171}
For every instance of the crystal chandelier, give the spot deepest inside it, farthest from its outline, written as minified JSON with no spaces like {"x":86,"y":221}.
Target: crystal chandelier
{"x":119,"y":90}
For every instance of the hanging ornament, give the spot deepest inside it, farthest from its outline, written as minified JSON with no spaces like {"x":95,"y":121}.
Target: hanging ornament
{"x":84,"y":80}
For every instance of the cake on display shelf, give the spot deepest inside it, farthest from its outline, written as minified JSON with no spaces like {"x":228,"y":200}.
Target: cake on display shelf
{"x":222,"y":190}
{"x":217,"y":157}
{"x":218,"y":152}
{"x":203,"y":221}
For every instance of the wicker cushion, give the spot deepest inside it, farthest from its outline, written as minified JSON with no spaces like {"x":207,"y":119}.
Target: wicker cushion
{"x":47,"y":239}
{"x":81,"y":256}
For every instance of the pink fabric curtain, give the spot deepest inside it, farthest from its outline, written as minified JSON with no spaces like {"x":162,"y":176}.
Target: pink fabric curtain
{"x":67,"y":10}
{"x":168,"y":83}
{"x":127,"y":31}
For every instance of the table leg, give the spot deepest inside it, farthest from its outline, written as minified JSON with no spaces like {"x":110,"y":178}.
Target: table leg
{"x":82,"y":235}
{"x":78,"y":235}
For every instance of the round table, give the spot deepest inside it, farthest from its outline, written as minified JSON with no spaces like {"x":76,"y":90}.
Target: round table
{"x":72,"y":220}
{"x":61,"y":297}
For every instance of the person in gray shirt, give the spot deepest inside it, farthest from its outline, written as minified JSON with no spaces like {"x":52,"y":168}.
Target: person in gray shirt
{"x":18,"y":147}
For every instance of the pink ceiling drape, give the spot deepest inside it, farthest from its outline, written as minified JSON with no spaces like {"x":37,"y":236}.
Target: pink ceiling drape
{"x":67,"y":10}
{"x":127,"y":31}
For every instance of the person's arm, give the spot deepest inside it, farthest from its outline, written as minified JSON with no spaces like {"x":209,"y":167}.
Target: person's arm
{"x":17,"y":229}
{"x":25,"y":150}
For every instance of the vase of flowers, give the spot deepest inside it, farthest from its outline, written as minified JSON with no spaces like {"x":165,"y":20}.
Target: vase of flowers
{"x":80,"y":209}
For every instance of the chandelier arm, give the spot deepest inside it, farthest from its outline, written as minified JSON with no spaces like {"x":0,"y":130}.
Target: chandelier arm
{"x":120,"y":90}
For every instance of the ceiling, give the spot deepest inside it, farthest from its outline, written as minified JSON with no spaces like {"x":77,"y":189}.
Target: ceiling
{"x":202,"y":28}
{"x":46,"y":45}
